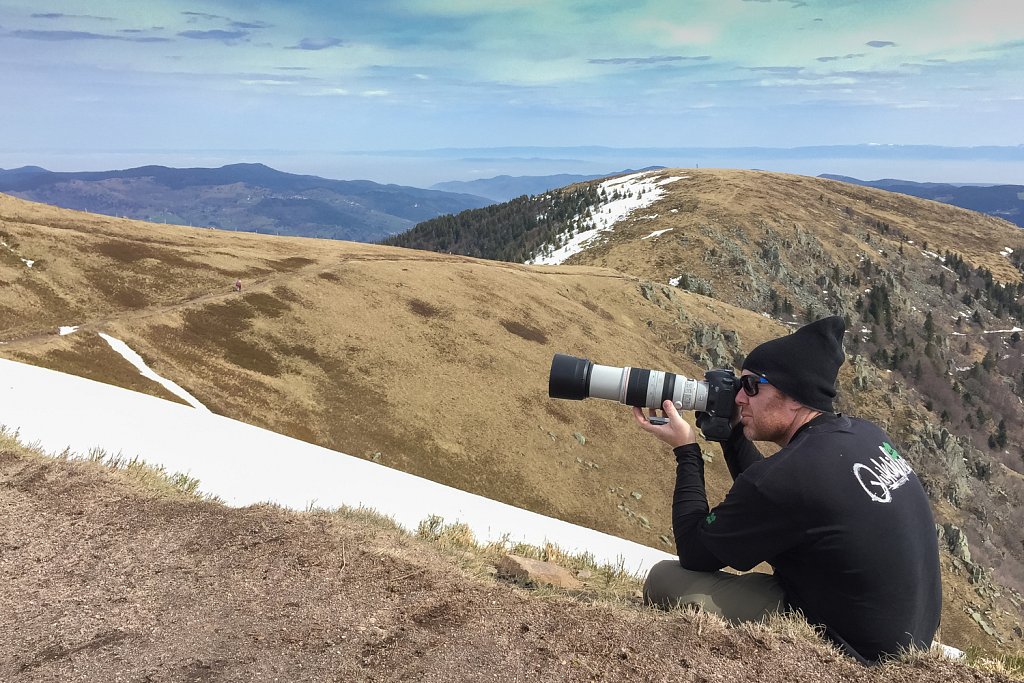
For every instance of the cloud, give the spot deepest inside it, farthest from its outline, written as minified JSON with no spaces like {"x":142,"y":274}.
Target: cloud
{"x":1011,"y":45}
{"x":29,"y":34}
{"x":215,"y":34}
{"x":196,"y":16}
{"x":836,"y":58}
{"x":880,"y":43}
{"x":59,"y":15}
{"x":146,"y":39}
{"x":313,"y":44}
{"x":650,"y":60}
{"x":330,"y":92}
{"x":816,"y":81}
{"x":779,"y":70}
{"x":250,"y":24}
{"x":276,"y":79}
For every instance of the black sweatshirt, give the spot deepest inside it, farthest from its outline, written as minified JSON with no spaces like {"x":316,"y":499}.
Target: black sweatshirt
{"x":841,"y":518}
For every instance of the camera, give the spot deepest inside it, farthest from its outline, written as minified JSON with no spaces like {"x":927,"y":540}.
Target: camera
{"x":578,"y":378}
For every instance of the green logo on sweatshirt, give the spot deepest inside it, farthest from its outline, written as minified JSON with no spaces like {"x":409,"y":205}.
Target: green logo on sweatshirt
{"x":890,"y":451}
{"x":710,"y":518}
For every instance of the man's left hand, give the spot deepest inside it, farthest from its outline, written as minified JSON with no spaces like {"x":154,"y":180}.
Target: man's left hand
{"x":677,"y":432}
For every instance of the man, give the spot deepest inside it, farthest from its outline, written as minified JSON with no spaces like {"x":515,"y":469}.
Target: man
{"x":838,"y":514}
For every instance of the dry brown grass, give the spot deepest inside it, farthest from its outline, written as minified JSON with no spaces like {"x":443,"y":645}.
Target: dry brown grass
{"x":117,"y":571}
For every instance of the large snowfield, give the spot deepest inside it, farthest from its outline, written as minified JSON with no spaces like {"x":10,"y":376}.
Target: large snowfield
{"x":243,"y":465}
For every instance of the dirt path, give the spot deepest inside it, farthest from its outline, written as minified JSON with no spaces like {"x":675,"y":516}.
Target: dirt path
{"x":267,"y":283}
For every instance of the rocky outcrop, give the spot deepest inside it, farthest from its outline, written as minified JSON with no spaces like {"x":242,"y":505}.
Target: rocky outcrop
{"x":955,"y":540}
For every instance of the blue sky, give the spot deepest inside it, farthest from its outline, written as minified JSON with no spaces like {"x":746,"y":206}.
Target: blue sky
{"x":104,"y":82}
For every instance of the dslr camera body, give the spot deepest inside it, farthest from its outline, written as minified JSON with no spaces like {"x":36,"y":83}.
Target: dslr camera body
{"x":714,"y":397}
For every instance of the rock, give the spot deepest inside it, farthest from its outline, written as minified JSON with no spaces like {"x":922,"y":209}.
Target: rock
{"x":710,"y":347}
{"x":637,"y":495}
{"x":864,"y":375}
{"x":536,"y":572}
{"x":956,"y":541}
{"x":985,"y":626}
{"x":579,"y":437}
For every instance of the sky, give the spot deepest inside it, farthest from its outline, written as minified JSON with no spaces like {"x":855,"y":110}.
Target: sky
{"x":245,"y":465}
{"x":316,"y":85}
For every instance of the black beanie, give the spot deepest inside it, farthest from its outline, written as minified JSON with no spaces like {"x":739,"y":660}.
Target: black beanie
{"x":803,"y":365}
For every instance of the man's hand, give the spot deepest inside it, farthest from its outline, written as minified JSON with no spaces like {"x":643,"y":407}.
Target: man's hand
{"x":676,"y":433}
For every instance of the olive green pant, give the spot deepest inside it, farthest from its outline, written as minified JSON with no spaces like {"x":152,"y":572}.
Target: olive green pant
{"x":734,"y":597}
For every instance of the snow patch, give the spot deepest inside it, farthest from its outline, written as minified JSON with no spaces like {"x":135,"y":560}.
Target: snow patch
{"x":656,"y":233}
{"x":949,"y":652}
{"x":67,"y":329}
{"x":636,"y":191}
{"x":135,"y":359}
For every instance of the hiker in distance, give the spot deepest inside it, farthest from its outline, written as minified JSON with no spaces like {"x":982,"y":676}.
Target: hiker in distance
{"x":838,"y":514}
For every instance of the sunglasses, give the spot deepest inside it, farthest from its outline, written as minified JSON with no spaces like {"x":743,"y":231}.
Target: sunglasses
{"x":750,"y":384}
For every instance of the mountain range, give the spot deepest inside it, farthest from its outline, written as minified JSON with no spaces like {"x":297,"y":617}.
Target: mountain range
{"x":256,"y":198}
{"x":247,"y":197}
{"x":435,"y":362}
{"x":1002,"y":201}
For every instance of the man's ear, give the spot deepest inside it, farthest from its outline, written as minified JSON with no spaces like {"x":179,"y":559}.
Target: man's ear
{"x":792,"y":405}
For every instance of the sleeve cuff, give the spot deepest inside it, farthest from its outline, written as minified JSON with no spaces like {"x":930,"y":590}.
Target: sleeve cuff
{"x":686,"y":451}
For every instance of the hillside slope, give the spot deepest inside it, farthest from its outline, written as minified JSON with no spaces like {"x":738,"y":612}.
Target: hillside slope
{"x":932,"y":296}
{"x":437,"y":364}
{"x":112,"y":575}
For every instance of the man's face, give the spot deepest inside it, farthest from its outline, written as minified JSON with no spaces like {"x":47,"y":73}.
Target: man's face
{"x":766,"y":416}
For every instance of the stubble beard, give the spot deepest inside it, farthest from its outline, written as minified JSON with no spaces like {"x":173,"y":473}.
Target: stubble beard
{"x":767,"y":423}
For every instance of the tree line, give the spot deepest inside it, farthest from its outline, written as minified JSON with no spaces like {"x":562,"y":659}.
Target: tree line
{"x":513,"y":231}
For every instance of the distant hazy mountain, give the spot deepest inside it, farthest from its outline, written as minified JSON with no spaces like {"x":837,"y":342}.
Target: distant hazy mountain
{"x":502,"y":188}
{"x":1002,"y":201}
{"x":21,"y":172}
{"x":248,"y":197}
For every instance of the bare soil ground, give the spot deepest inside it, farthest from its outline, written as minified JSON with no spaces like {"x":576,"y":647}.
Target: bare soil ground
{"x":105,"y":576}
